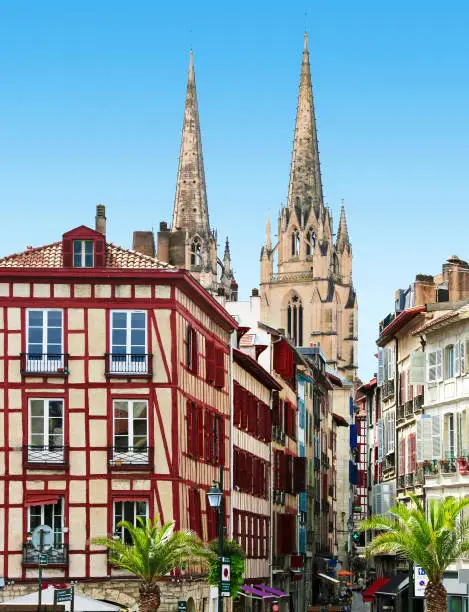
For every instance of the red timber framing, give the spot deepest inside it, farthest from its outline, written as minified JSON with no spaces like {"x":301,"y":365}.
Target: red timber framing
{"x":93,"y":479}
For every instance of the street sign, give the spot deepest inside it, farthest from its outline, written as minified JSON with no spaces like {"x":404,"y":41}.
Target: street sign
{"x":182,"y":606}
{"x":63,"y":595}
{"x":420,"y":581}
{"x":43,"y":560}
{"x":225,"y":576}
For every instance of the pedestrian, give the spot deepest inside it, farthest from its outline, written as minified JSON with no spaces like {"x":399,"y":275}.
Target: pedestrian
{"x":361,"y":583}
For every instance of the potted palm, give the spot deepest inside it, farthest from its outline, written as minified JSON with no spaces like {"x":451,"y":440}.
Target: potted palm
{"x":154,"y":551}
{"x":433,"y":544}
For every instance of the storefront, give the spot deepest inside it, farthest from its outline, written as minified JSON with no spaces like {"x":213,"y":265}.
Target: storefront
{"x":393,"y":596}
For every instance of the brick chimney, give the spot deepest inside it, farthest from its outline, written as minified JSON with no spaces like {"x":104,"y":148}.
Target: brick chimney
{"x":163,"y":242}
{"x":144,"y":242}
{"x":100,"y":219}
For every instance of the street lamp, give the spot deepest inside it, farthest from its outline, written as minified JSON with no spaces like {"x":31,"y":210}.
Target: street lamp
{"x":215,"y":500}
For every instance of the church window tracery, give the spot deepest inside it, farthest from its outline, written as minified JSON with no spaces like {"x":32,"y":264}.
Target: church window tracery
{"x":295,"y":242}
{"x":295,"y":320}
{"x":310,"y":242}
{"x":335,"y":264}
{"x":196,"y":252}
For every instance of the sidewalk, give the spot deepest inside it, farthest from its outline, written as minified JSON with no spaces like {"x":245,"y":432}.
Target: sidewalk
{"x":358,"y":605}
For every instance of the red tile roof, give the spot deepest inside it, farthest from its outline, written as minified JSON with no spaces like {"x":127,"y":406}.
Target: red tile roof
{"x":398,"y":323}
{"x":50,"y":256}
{"x":437,"y":321}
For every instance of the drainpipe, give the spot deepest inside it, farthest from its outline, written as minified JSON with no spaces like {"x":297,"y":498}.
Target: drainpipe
{"x":231,"y":481}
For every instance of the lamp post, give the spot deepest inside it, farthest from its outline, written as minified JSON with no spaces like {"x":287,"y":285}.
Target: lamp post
{"x":350,"y":531}
{"x":215,"y":499}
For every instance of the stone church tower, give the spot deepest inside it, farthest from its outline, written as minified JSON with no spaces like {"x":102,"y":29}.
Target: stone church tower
{"x":190,"y":243}
{"x":310,"y":293}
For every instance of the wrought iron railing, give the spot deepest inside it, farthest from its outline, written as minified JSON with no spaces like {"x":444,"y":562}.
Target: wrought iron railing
{"x":400,"y":413}
{"x":388,"y":389}
{"x":418,"y":478}
{"x":57,"y":555}
{"x":130,"y":364}
{"x":409,"y":480}
{"x":45,"y":455}
{"x":448,"y":465}
{"x":286,"y":277}
{"x":431,"y":467}
{"x":389,"y":462}
{"x":130,"y":456}
{"x":401,"y":481}
{"x":40,"y":364}
{"x":418,"y":403}
{"x":409,"y":408}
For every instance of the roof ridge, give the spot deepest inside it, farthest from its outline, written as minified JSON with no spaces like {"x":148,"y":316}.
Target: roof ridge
{"x":32,"y":250}
{"x":134,"y":252}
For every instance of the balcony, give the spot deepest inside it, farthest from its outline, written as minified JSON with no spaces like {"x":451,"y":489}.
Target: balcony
{"x":418,"y":477}
{"x":129,"y":364}
{"x":418,"y":403}
{"x":409,"y":409}
{"x":57,"y":556}
{"x":389,"y":462}
{"x":387,"y":389}
{"x":431,"y":467}
{"x":45,"y":456}
{"x":448,"y":465}
{"x":287,"y":277}
{"x":409,"y":481}
{"x":130,"y":457}
{"x":400,"y":414}
{"x":401,"y":482}
{"x":44,"y":364}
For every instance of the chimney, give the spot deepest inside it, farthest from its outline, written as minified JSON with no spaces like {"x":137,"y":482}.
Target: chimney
{"x":234,"y":291}
{"x":144,"y":242}
{"x":163,"y":242}
{"x":255,"y":292}
{"x":100,"y":219}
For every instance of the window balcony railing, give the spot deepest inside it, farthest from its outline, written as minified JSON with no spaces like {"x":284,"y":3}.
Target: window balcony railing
{"x":45,"y":456}
{"x":409,"y":408}
{"x":418,"y":403}
{"x":129,"y":364}
{"x":44,"y":364}
{"x":389,"y":462}
{"x":56,"y":556}
{"x":401,"y":482}
{"x":418,"y":477}
{"x":130,"y":457}
{"x":400,"y":416}
{"x":387,"y":389}
{"x":448,"y":465}
{"x":431,"y":467}
{"x":409,"y":480}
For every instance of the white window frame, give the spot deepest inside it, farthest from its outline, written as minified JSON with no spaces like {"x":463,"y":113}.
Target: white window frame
{"x":58,"y":535}
{"x":450,"y":350}
{"x":128,"y":362}
{"x":45,"y":455}
{"x":435,"y":370}
{"x":45,"y":363}
{"x":120,"y":532}
{"x":130,"y":456}
{"x":82,"y":253}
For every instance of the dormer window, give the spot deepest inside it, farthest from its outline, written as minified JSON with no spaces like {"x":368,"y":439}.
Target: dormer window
{"x":82,"y":253}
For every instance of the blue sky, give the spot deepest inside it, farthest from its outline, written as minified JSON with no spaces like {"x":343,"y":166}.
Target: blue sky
{"x":91,"y":107}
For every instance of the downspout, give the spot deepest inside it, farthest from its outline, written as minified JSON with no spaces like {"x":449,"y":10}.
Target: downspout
{"x":231,"y":481}
{"x":271,"y":522}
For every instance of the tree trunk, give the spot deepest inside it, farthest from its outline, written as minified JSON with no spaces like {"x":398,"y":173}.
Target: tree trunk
{"x":149,"y":597}
{"x":436,"y":597}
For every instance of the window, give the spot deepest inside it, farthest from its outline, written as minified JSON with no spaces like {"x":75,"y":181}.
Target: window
{"x":129,"y":342}
{"x":50,"y":515}
{"x":128,"y":511}
{"x":82,"y":253}
{"x":130,"y":431}
{"x":44,"y":341}
{"x":295,"y":320}
{"x":196,"y":252}
{"x":195,"y":512}
{"x":310,"y":242}
{"x":191,"y":349}
{"x":449,"y":361}
{"x":295,"y":243}
{"x":449,"y":436}
{"x":435,"y":365}
{"x":46,"y":431}
{"x":335,"y":264}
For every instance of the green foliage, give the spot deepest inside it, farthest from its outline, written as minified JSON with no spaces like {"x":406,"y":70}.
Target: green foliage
{"x":234,"y":551}
{"x":432,"y":543}
{"x":155,"y":550}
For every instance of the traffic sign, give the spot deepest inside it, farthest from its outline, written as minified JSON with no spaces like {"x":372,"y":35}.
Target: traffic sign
{"x":43,"y":559}
{"x":182,"y":606}
{"x":63,"y":595}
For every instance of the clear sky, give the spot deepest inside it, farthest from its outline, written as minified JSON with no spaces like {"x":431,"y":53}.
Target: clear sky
{"x":91,"y":107}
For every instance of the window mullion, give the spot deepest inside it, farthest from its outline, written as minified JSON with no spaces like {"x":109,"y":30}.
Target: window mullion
{"x":130,"y":416}
{"x":45,"y":435}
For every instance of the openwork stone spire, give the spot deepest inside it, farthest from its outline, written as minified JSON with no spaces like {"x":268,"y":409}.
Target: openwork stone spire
{"x":305,"y":175}
{"x":190,"y":204}
{"x":342,"y":232}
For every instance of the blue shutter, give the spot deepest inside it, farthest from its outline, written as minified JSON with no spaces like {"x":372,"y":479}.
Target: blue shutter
{"x":353,"y":436}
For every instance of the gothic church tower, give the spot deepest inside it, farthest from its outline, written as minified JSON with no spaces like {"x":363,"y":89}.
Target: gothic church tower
{"x":190,"y":243}
{"x":310,"y":294}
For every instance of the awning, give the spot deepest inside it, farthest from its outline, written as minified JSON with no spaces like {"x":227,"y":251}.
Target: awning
{"x":369,"y":593}
{"x":394,"y":586}
{"x":40,"y":498}
{"x":257,"y":592}
{"x":326,"y":577}
{"x":344,"y":573}
{"x":276,"y":592}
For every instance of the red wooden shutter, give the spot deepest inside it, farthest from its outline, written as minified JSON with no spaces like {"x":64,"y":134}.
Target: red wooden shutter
{"x":410,"y":389}
{"x":255,"y":551}
{"x":241,"y":470}
{"x":252,"y":415}
{"x":260,"y":429}
{"x":286,"y":417}
{"x":244,"y":408}
{"x":414,"y":452}
{"x":299,"y":474}
{"x":283,"y":471}
{"x":195,"y":352}
{"x":261,"y":537}
{"x":67,"y":253}
{"x":275,"y":409}
{"x":402,"y":456}
{"x":211,"y":523}
{"x":200,"y":432}
{"x":209,"y":360}
{"x":221,"y":440}
{"x":236,"y":404}
{"x":190,"y":428}
{"x":192,"y":510}
{"x":249,"y":474}
{"x":99,"y":253}
{"x":267,"y":424}
{"x":293,"y":422}
{"x":401,"y":388}
{"x":219,"y":368}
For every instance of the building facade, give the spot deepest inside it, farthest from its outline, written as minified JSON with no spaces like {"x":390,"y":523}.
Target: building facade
{"x":306,"y":278}
{"x":115,"y":405}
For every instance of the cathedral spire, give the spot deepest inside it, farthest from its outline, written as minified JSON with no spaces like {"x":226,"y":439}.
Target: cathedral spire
{"x":342,"y":232}
{"x":190,"y":203}
{"x":305,"y":187}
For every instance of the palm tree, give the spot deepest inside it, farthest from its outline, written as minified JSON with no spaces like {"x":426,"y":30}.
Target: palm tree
{"x":153,"y":552}
{"x":432,"y":543}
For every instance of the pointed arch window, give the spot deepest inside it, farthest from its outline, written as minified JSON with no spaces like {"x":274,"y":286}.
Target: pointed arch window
{"x":335,"y":264}
{"x":196,"y":252}
{"x":310,"y":242}
{"x":295,"y":320}
{"x":295,"y":242}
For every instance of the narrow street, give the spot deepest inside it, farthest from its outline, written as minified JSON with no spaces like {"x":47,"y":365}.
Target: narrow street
{"x":358,"y":605}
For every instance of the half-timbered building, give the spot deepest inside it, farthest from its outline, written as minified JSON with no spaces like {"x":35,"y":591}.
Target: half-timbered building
{"x":114,"y":404}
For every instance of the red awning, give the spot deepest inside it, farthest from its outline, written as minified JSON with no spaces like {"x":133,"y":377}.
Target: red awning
{"x":35,"y":498}
{"x":369,"y":593}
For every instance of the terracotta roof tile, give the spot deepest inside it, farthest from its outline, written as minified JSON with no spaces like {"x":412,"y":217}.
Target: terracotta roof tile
{"x":50,"y":256}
